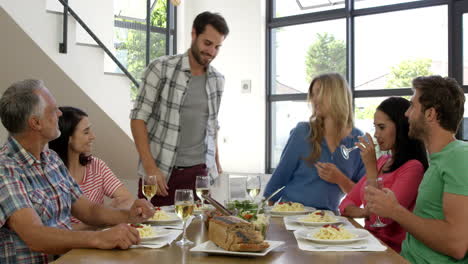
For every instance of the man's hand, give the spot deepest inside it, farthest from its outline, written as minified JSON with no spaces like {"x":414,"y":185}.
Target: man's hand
{"x":140,"y":211}
{"x":161,"y":181}
{"x":120,"y":236}
{"x":329,"y":172}
{"x":381,"y":202}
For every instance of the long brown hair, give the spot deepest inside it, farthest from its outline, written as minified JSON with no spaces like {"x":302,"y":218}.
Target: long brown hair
{"x":334,"y":91}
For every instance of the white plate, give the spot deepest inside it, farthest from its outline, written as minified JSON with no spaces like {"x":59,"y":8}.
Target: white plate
{"x":159,"y":232}
{"x":298,"y":219}
{"x":173,"y":218}
{"x":307,"y":209}
{"x":309,"y":233}
{"x":210,"y":247}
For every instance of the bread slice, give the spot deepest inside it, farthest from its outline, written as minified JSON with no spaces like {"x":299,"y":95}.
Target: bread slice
{"x":235,"y":234}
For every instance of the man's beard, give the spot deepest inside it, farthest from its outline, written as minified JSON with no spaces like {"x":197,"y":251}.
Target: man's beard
{"x":417,"y":130}
{"x":197,"y":55}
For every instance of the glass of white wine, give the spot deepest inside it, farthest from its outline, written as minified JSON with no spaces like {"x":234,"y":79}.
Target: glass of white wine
{"x":149,"y":186}
{"x":253,"y":184}
{"x":184,"y":209}
{"x":202,"y":187}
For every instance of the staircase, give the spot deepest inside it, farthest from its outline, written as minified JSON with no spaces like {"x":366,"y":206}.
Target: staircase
{"x":31,"y":32}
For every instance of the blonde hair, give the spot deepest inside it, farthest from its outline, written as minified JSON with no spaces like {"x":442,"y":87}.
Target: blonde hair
{"x":334,"y":92}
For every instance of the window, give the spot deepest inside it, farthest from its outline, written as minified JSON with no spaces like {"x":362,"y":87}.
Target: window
{"x":304,"y":50}
{"x":130,"y":34}
{"x":381,"y":45}
{"x":393,"y":48}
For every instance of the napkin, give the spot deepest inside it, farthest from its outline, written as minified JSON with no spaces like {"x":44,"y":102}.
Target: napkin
{"x":159,"y":242}
{"x":370,"y":244}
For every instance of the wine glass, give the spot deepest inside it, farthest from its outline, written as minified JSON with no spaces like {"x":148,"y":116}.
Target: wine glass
{"x":202,"y":187}
{"x":149,"y":186}
{"x":346,"y":151}
{"x":184,"y":209}
{"x":253,"y":186}
{"x":377,"y":183}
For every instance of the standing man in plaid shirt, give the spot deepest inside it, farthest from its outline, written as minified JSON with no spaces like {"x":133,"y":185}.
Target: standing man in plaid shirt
{"x":38,"y":195}
{"x":174,"y":119}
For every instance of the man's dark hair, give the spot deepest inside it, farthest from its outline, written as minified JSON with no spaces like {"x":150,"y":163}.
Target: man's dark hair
{"x":445,"y":95}
{"x":213,"y":19}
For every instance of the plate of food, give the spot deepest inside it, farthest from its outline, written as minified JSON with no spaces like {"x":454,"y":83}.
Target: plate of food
{"x":148,"y":232}
{"x":162,"y":217}
{"x":333,"y":234}
{"x":232,"y":235}
{"x":212,"y":248}
{"x":289,"y":208}
{"x":317,"y":218}
{"x":201,"y":208}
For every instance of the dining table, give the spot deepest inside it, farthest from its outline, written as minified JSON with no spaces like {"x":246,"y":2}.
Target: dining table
{"x":289,"y":252}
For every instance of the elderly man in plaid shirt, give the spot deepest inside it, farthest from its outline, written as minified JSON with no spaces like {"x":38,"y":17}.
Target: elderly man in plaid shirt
{"x":38,"y":195}
{"x":174,"y":119}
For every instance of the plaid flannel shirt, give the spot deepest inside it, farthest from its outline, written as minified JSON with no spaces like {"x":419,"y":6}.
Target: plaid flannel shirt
{"x":43,"y":185}
{"x":161,"y":95}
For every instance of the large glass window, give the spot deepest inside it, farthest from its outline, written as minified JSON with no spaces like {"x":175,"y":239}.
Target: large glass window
{"x":374,"y":3}
{"x":286,"y":115}
{"x":297,"y":7}
{"x":393,"y":48}
{"x":380,"y":46}
{"x":130,"y":34}
{"x":303,"y":51}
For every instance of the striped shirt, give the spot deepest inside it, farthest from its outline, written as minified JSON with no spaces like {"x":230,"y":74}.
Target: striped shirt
{"x":161,"y":95}
{"x":99,"y":181}
{"x":43,"y":185}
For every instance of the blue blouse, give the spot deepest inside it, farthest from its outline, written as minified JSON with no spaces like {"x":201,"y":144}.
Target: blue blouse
{"x":302,"y":182}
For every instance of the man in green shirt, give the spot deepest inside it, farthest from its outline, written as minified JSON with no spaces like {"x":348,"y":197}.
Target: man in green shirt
{"x":438,"y":227}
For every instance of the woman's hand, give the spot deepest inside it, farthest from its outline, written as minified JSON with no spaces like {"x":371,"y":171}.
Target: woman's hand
{"x":367,"y":147}
{"x":329,"y":172}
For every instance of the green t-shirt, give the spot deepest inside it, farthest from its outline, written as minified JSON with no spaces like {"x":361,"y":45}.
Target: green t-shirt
{"x":447,"y":172}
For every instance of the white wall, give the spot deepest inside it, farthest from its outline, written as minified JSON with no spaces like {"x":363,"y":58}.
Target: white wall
{"x":242,"y":57}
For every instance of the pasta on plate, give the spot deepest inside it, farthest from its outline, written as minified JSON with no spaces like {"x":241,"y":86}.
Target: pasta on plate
{"x":160,"y":215}
{"x":333,"y":232}
{"x":318,"y":216}
{"x":288,"y":207}
{"x":144,"y":230}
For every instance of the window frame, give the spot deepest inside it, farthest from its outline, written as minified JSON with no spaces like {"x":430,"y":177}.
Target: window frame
{"x":455,"y":9}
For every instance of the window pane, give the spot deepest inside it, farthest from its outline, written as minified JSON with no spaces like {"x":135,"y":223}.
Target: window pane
{"x":130,"y":45}
{"x":364,"y":109}
{"x":285,"y":116}
{"x":393,"y":48}
{"x":303,"y":51}
{"x":132,"y":9}
{"x":373,"y":3}
{"x":465,"y":49}
{"x":464,"y":124}
{"x":296,"y":7}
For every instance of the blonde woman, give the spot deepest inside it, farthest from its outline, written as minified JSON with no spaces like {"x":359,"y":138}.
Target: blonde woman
{"x":312,"y":166}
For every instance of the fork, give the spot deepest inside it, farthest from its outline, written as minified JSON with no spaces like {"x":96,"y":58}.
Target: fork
{"x":346,"y":247}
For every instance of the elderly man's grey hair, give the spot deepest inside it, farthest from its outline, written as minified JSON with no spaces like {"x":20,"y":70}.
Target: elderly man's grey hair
{"x":19,"y":102}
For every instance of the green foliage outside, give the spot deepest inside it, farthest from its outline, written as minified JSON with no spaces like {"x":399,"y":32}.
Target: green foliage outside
{"x":134,"y":44}
{"x":326,"y":54}
{"x":402,"y":75}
